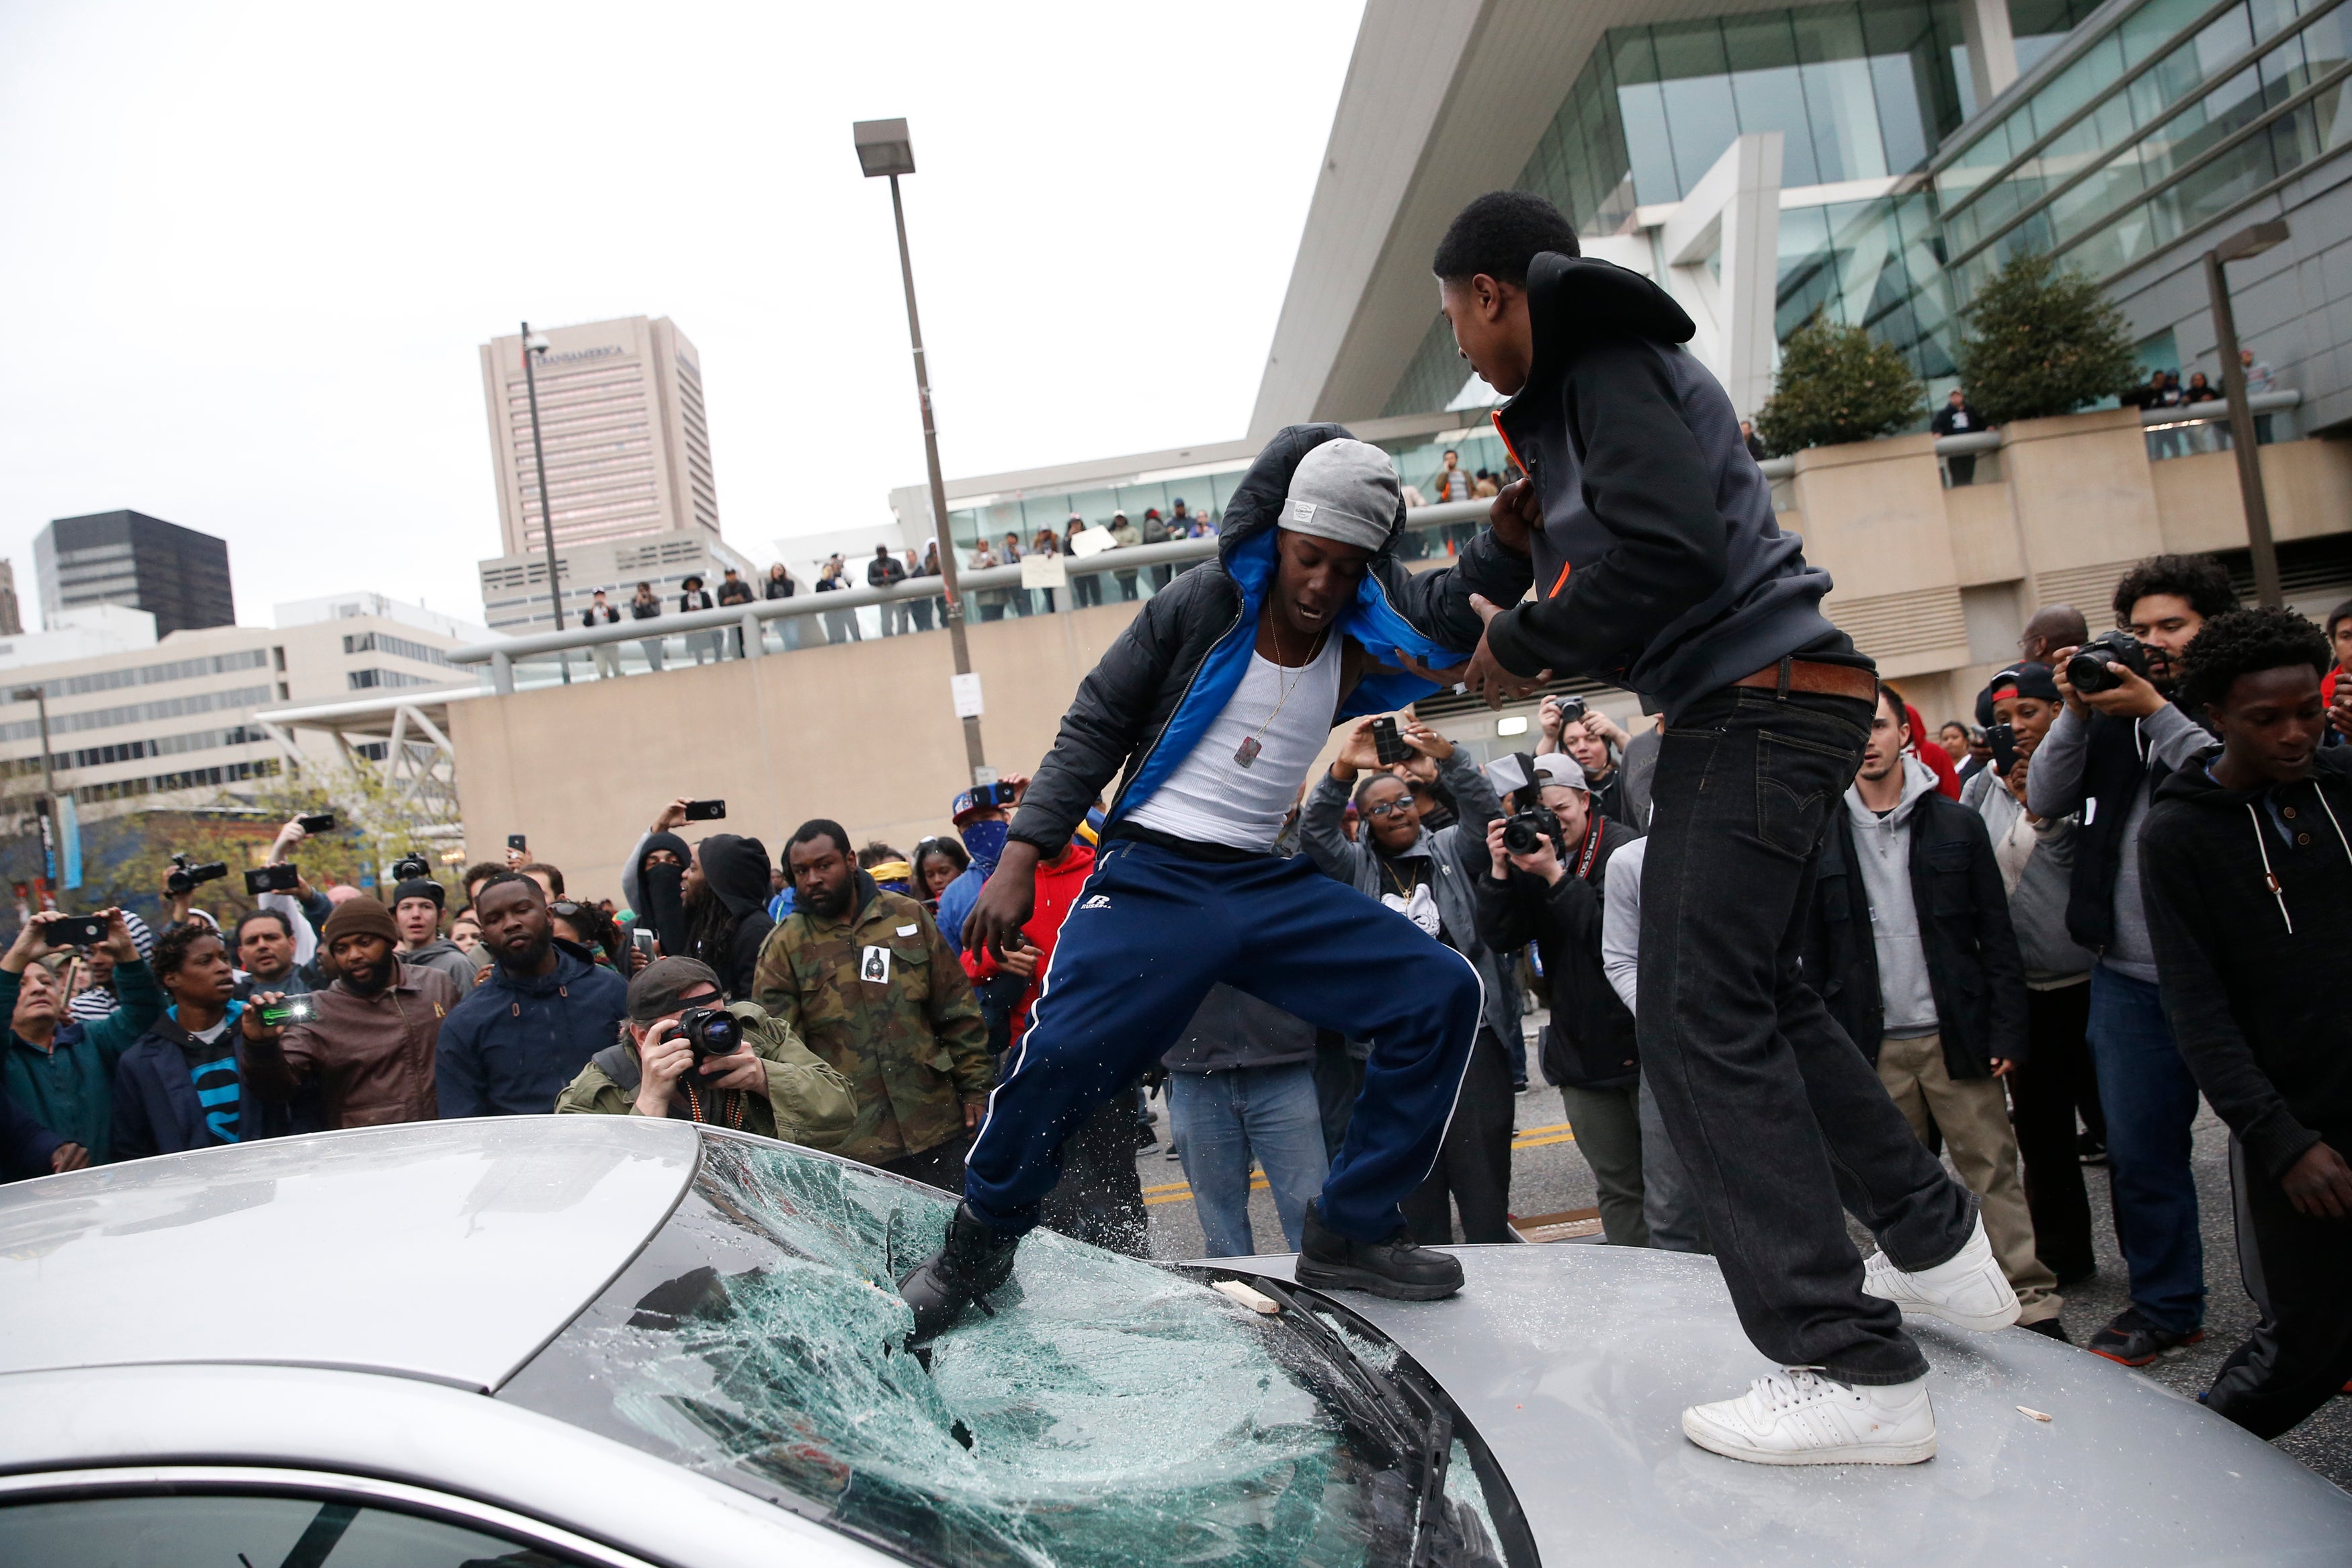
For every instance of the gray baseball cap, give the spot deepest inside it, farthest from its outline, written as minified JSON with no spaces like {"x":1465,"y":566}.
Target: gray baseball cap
{"x":1345,"y":491}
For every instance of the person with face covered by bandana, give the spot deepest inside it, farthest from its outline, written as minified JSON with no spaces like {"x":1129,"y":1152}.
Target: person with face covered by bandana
{"x":653,"y":880}
{"x":983,"y":830}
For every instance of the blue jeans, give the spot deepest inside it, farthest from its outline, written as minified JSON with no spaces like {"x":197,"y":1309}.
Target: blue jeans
{"x":1224,"y":1119}
{"x":2150,"y":1100}
{"x":1154,"y":931}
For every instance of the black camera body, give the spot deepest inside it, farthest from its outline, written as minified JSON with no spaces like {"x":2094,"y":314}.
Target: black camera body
{"x":711,"y":1031}
{"x":412,"y":867}
{"x":273,"y":879}
{"x":2088,"y":671}
{"x":1570,"y":709}
{"x":1524,"y":831}
{"x":185,"y":874}
{"x":994,"y":797}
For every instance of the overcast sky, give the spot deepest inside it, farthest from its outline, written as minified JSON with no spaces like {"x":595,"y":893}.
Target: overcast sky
{"x":249,"y":251}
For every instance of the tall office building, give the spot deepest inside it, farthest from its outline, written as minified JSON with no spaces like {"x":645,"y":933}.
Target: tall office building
{"x":620,"y":414}
{"x":175,"y":574}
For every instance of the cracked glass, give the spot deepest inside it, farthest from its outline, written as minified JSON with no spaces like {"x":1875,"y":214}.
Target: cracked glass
{"x":1108,"y":1411}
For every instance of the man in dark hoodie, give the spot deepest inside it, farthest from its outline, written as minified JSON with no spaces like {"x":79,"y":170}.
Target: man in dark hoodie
{"x":724,"y":893}
{"x":2248,"y":872}
{"x":186,"y":1084}
{"x":1216,"y":700}
{"x":1660,"y":568}
{"x":537,"y":1015}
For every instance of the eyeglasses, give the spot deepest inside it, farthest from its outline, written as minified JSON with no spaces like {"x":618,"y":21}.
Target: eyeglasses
{"x":1387,"y":807}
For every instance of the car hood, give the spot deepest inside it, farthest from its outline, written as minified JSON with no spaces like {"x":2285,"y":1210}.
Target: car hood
{"x":1574,"y":1363}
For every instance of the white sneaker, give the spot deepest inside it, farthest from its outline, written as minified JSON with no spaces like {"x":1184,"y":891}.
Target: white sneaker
{"x":1800,"y":1417}
{"x":1966,"y":1290}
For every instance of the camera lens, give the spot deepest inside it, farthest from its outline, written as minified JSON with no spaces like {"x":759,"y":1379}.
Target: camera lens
{"x":1520,"y":837}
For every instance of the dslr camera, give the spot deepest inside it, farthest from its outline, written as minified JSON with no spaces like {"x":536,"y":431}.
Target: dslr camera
{"x":1524,"y":831}
{"x":412,"y":867}
{"x":185,"y":874}
{"x":2088,"y":671}
{"x":709,"y":1031}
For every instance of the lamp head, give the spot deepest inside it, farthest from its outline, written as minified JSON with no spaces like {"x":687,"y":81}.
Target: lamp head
{"x":883,"y":147}
{"x":2251,"y":241}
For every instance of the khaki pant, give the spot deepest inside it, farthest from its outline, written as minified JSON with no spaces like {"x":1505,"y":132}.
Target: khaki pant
{"x":1974,"y":1115}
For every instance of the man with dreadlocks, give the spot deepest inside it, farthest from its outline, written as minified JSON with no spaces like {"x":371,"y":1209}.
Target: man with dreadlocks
{"x":2248,"y":871}
{"x":726,"y":892}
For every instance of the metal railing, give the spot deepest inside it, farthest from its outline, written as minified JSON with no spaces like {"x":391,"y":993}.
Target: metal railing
{"x":2155,"y":419}
{"x":740,"y":631}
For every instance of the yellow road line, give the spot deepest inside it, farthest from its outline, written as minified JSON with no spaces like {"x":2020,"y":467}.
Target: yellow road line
{"x":1540,"y":1143}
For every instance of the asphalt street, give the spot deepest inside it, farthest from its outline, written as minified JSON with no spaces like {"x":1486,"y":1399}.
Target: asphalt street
{"x":1549,"y":1177}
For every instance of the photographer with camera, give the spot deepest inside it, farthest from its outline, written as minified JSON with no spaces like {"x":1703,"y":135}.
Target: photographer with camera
{"x":686,"y":1051}
{"x":1547,"y":868}
{"x":532,"y":1019}
{"x":1430,"y":878}
{"x":1597,"y":744}
{"x":58,"y":1070}
{"x":366,"y":1043}
{"x":186,"y":1084}
{"x":417,"y":903}
{"x":2036,"y":856}
{"x":2249,"y":864}
{"x":1910,"y":947}
{"x":2120,"y":736}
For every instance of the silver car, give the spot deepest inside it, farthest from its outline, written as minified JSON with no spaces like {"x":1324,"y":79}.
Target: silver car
{"x":618,"y":1341}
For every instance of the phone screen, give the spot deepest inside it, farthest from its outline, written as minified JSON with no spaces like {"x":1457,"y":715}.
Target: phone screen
{"x":517,"y":842}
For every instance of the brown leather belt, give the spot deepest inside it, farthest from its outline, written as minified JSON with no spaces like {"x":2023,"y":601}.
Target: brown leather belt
{"x":1824,"y":680}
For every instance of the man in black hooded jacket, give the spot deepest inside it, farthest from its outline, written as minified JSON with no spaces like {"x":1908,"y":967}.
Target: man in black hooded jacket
{"x":1660,"y":567}
{"x":2247,"y":863}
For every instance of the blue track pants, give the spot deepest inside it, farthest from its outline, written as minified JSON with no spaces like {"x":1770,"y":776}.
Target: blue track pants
{"x":1151,"y":932}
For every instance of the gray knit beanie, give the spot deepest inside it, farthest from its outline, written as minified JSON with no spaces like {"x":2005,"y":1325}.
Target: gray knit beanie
{"x":1345,"y":491}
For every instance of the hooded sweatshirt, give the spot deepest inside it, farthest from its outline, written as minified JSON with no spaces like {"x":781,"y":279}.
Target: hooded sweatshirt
{"x":2249,"y":898}
{"x":1660,"y":565}
{"x":2037,"y":865}
{"x":735,"y":873}
{"x":449,"y":958}
{"x":1882,"y":853}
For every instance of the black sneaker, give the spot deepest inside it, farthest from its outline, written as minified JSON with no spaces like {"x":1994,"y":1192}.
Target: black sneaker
{"x":2048,"y":1328}
{"x":2134,"y":1341}
{"x":1398,"y":1268}
{"x":2089,"y":1150}
{"x":975,"y":1259}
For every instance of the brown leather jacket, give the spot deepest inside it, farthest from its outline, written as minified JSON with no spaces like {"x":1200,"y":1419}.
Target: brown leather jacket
{"x":370,"y":1057}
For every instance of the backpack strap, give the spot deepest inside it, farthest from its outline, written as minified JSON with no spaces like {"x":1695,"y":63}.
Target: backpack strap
{"x":617,"y":1063}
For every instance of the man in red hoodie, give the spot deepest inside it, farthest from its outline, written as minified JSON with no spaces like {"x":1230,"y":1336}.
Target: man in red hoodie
{"x":1938,"y":760}
{"x":1099,"y":1198}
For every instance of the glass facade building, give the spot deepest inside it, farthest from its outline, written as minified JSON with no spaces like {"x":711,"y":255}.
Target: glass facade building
{"x":2136,"y":126}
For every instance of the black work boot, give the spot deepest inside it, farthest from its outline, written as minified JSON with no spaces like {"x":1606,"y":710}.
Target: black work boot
{"x":1399,"y":1267}
{"x":975,"y":1260}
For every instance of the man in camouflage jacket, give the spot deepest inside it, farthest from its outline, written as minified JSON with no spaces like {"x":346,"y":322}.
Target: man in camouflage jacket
{"x":863,"y":977}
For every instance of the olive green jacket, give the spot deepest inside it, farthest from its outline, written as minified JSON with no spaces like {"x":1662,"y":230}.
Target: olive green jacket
{"x":882,"y":999}
{"x":808,"y":1102}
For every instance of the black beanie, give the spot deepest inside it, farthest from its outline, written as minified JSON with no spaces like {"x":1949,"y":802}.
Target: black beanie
{"x":421,"y":887}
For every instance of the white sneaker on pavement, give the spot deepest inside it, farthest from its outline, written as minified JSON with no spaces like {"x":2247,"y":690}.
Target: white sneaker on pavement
{"x":1800,"y":1417}
{"x":1966,"y":1291}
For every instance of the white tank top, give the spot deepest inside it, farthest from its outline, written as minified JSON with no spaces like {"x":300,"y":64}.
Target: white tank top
{"x":1213,"y":798}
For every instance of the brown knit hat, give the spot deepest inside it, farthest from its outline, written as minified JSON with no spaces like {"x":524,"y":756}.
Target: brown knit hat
{"x":359,"y":917}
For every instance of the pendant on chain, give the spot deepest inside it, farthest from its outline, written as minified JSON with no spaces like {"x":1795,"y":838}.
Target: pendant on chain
{"x":1247,"y":752}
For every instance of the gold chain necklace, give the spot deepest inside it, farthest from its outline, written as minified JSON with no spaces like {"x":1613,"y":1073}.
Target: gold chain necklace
{"x":1247,"y":752}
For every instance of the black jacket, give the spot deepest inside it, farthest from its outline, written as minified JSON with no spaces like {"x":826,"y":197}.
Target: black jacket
{"x":588,"y":619}
{"x":1944,"y":424}
{"x":157,"y":1110}
{"x":1589,"y":1041}
{"x":1974,"y":969}
{"x":644,"y":608}
{"x":1144,"y":705}
{"x":1660,"y":566}
{"x":1232,"y":1029}
{"x":2254,"y":977}
{"x":735,"y":872}
{"x":512,"y":1044}
{"x":2113,"y":768}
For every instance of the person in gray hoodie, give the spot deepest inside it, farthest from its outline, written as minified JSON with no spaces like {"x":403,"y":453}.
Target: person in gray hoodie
{"x":417,"y":907}
{"x":1911,"y":950}
{"x":2056,"y":1081}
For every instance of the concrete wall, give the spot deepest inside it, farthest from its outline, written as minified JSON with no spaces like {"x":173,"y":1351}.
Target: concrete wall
{"x":1935,"y":583}
{"x":860,"y":732}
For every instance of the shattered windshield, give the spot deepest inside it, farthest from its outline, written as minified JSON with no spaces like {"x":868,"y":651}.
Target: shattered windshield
{"x":1109,"y":1412}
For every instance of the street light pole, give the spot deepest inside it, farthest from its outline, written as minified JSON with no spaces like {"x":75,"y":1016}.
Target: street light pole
{"x":883,"y":147}
{"x":531,"y":351}
{"x":2237,"y":248}
{"x":40,"y":697}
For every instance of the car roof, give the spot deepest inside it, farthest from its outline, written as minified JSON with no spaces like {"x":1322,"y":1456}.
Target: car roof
{"x":449,"y":1250}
